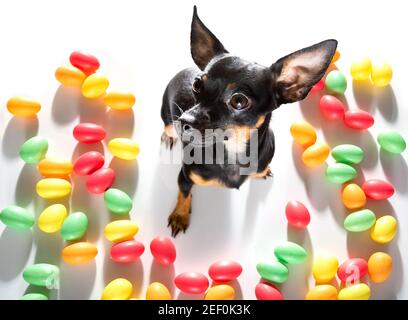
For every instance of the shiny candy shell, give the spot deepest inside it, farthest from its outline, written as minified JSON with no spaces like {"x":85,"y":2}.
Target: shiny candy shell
{"x":220,"y":292}
{"x":79,"y":253}
{"x":392,"y":142}
{"x":118,"y":201}
{"x":55,"y":167}
{"x":297,"y":214}
{"x":352,"y":270}
{"x":331,"y":107}
{"x":348,"y":154}
{"x":127,"y":251}
{"x":53,"y":188}
{"x":319,"y":86}
{"x":358,"y":119}
{"x":224,"y":271}
{"x":191,"y":282}
{"x":86,"y":132}
{"x":353,"y":196}
{"x":290,"y":253}
{"x":379,"y":267}
{"x":355,"y":292}
{"x":377,"y":189}
{"x":120,"y":230}
{"x":384,"y":229}
{"x":322,"y":292}
{"x":340,"y":173}
{"x":163,"y":250}
{"x":303,"y":133}
{"x":118,"y":289}
{"x":123,"y":148}
{"x":100,"y":181}
{"x":381,"y":74}
{"x":33,"y":150}
{"x":17,"y":217}
{"x":359,"y":221}
{"x":42,"y":274}
{"x":273,"y":271}
{"x":157,"y":291}
{"x":70,"y":76}
{"x":324,"y":268}
{"x":23,"y":107}
{"x":94,"y":86}
{"x":266,"y":291}
{"x":336,"y":82}
{"x":316,"y":154}
{"x":74,"y":226}
{"x":88,"y":163}
{"x":119,"y":100}
{"x":34,"y":296}
{"x":84,"y":61}
{"x":52,"y":218}
{"x":361,"y":69}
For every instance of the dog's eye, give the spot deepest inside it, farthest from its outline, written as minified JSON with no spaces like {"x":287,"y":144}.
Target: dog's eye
{"x":240,"y":101}
{"x":197,"y":84}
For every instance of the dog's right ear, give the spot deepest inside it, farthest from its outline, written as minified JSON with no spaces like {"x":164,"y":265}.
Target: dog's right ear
{"x":204,"y":44}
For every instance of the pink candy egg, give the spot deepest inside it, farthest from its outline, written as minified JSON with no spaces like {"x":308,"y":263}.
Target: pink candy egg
{"x":378,"y":189}
{"x":297,"y":214}
{"x":84,"y":61}
{"x":358,"y":119}
{"x":192,"y":282}
{"x":319,"y":86}
{"x":127,"y":251}
{"x":352,"y":270}
{"x":100,"y":181}
{"x":331,"y":107}
{"x":89,"y":132}
{"x":88,"y":163}
{"x":224,"y":271}
{"x":266,"y":291}
{"x":163,"y":250}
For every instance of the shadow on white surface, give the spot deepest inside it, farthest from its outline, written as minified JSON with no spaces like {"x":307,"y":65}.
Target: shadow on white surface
{"x":77,"y":281}
{"x":25,"y":186}
{"x":163,"y":274}
{"x":65,"y":104}
{"x":127,"y":175}
{"x":396,"y":170}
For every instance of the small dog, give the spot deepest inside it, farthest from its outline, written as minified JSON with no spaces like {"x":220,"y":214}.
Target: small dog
{"x":226,"y":92}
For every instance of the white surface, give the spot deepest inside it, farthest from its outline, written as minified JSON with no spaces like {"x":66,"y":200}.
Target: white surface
{"x":141,"y":45}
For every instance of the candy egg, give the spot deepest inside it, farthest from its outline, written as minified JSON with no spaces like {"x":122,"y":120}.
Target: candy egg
{"x":163,"y":250}
{"x":266,"y":291}
{"x":33,"y":150}
{"x":53,"y":188}
{"x":34,"y":296}
{"x":303,"y":133}
{"x":356,"y":292}
{"x":84,"y":61}
{"x":120,"y":230}
{"x":391,"y":141}
{"x":52,"y":218}
{"x":340,"y":173}
{"x":384,"y":230}
{"x":94,"y":86}
{"x":273,"y":271}
{"x":378,"y":189}
{"x":224,"y":271}
{"x":352,"y":270}
{"x":74,"y":226}
{"x":42,"y":274}
{"x":118,"y":201}
{"x":353,"y":196}
{"x":297,"y":214}
{"x":157,"y":291}
{"x":381,"y":74}
{"x":191,"y":282}
{"x":79,"y":253}
{"x":336,"y":82}
{"x":319,"y":86}
{"x":359,"y":221}
{"x":220,"y":292}
{"x":316,"y":154}
{"x":54,"y":167}
{"x":331,"y":107}
{"x":88,"y":163}
{"x":127,"y":251}
{"x":379,"y":267}
{"x":119,"y":100}
{"x":324,"y":268}
{"x":358,"y":119}
{"x":23,"y":107}
{"x":89,"y":132}
{"x":70,"y":76}
{"x":100,"y":181}
{"x":336,"y":57}
{"x":17,"y":217}
{"x":290,"y":252}
{"x":348,"y":154}
{"x":123,"y":148}
{"x":322,"y":292}
{"x":118,"y":289}
{"x":361,"y":69}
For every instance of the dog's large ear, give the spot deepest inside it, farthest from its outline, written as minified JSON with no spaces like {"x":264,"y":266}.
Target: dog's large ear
{"x":204,"y":44}
{"x":295,"y":74}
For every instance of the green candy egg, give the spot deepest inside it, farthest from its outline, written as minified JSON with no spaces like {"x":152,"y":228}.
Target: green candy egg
{"x":290,"y":252}
{"x":17,"y":217}
{"x":42,"y":274}
{"x":340,"y":173}
{"x":348,"y":154}
{"x":118,"y":201}
{"x":33,"y":150}
{"x":273,"y":271}
{"x":359,"y":221}
{"x":336,"y":82}
{"x":34,"y":296}
{"x":392,"y":142}
{"x":74,"y":226}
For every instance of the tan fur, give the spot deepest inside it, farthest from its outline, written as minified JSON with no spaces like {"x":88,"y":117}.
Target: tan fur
{"x":198,"y":180}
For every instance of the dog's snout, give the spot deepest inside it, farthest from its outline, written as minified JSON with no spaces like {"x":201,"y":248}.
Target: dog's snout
{"x":187,"y":127}
{"x":195,"y":118}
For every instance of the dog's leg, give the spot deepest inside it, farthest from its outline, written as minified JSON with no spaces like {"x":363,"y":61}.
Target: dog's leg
{"x":169,"y":136}
{"x":267,"y":173}
{"x":179,"y":219}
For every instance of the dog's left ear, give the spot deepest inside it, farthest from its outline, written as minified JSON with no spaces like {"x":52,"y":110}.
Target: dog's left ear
{"x":295,"y":74}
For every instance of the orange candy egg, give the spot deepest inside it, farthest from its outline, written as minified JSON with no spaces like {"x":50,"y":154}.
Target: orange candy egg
{"x":79,"y":253}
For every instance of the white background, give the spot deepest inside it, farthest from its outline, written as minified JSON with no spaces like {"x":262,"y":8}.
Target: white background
{"x":141,"y":45}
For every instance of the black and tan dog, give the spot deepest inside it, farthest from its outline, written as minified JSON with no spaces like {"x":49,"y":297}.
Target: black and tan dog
{"x":228,"y":93}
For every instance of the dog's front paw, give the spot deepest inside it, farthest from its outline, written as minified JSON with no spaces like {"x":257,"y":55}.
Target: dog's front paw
{"x":178,"y":222}
{"x":268,"y":173}
{"x":168,"y":140}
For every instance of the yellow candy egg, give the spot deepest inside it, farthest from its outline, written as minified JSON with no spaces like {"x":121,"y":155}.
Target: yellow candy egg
{"x":70,"y":76}
{"x":303,"y":133}
{"x":52,"y":218}
{"x":55,"y":168}
{"x":79,"y":253}
{"x":118,"y":289}
{"x":220,"y":292}
{"x":316,"y":154}
{"x":355,"y":292}
{"x":325,"y":269}
{"x":120,"y":230}
{"x":119,"y":100}
{"x":384,"y":229}
{"x":123,"y":148}
{"x":157,"y":291}
{"x":379,"y":267}
{"x":353,"y":196}
{"x":361,"y":69}
{"x":381,"y":74}
{"x":322,"y":292}
{"x":94,"y":86}
{"x":53,"y":188}
{"x":22,"y":107}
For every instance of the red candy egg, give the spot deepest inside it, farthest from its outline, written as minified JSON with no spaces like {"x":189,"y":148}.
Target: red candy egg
{"x":266,"y":291}
{"x":378,"y":189}
{"x":319,"y":86}
{"x":84,"y":61}
{"x":192,"y":282}
{"x":100,"y":181}
{"x":297,"y":214}
{"x":88,"y":163}
{"x":163,"y":250}
{"x":358,"y":119}
{"x":352,"y":270}
{"x":89,"y":133}
{"x":127,"y":251}
{"x":331,"y":107}
{"x":224,"y":271}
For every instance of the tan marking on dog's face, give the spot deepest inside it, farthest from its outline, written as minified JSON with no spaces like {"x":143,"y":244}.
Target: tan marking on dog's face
{"x":200,"y":181}
{"x":231,"y":86}
{"x":204,"y":77}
